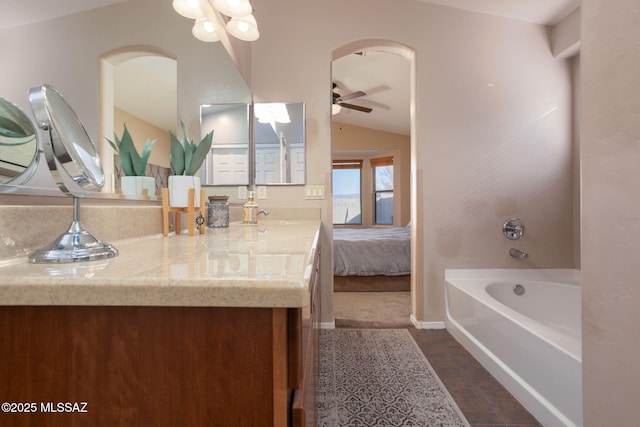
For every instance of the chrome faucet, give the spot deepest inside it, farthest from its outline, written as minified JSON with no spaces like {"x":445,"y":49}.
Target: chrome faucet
{"x":263,"y":211}
{"x":518,"y":254}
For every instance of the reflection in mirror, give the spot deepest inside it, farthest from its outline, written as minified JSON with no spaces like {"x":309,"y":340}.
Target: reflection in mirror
{"x":145,"y":98}
{"x":70,"y":154}
{"x":228,"y":160}
{"x":18,"y":144}
{"x":84,"y":69}
{"x":279,"y":143}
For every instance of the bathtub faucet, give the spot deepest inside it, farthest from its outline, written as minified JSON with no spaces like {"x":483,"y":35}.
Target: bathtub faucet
{"x":518,"y":254}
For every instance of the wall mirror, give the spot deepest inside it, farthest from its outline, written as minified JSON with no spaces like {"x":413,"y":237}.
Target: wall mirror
{"x":18,"y":144}
{"x":228,"y":161}
{"x":279,"y":135}
{"x":206,"y":73}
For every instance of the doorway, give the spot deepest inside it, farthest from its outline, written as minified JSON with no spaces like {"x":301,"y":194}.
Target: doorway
{"x":372,"y":135}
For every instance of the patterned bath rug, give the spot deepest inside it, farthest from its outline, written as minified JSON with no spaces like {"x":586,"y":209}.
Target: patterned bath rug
{"x":379,"y":377}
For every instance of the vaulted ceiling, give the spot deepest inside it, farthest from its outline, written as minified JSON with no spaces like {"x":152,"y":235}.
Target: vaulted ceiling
{"x":385,"y":77}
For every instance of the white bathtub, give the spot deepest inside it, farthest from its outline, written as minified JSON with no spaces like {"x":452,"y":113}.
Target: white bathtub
{"x":531,"y":342}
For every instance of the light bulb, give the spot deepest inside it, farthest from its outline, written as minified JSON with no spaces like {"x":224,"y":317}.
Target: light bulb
{"x":188,"y":8}
{"x":245,"y":28}
{"x":204,"y":30}
{"x":233,"y":8}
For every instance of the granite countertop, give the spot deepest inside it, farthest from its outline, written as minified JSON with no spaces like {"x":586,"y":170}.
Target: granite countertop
{"x":264,"y":265}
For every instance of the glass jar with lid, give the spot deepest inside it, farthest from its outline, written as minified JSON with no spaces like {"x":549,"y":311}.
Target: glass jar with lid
{"x":218,"y":212}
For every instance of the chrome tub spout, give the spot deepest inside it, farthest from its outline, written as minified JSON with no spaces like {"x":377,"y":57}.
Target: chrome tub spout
{"x":518,"y":254}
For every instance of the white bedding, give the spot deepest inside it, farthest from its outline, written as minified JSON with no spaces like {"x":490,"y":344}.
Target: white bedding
{"x":372,"y":251}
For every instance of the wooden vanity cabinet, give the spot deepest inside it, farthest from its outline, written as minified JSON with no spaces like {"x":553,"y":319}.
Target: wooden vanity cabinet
{"x":161,"y":366}
{"x":304,"y":410}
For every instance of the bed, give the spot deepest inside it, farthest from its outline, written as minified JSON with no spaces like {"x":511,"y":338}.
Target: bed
{"x":372,"y":259}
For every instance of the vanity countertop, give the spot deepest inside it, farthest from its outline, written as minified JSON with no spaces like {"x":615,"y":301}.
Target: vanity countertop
{"x":264,"y":265}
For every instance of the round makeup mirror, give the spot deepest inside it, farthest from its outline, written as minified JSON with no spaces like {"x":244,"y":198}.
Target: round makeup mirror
{"x":18,"y":145}
{"x":75,"y":166}
{"x":70,"y":154}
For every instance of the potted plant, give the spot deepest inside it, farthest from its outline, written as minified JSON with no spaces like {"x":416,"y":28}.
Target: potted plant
{"x":133,"y":164}
{"x":186,"y":159}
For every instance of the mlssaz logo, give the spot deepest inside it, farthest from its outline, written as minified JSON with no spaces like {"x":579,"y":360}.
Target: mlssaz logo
{"x":63,"y":407}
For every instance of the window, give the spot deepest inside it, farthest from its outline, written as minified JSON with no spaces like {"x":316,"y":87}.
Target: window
{"x":383,"y":190}
{"x":347,"y":201}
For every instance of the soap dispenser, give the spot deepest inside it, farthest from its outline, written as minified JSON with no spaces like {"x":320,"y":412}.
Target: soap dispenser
{"x":250,"y":211}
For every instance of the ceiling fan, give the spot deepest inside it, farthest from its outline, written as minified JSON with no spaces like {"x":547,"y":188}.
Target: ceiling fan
{"x":339,"y":100}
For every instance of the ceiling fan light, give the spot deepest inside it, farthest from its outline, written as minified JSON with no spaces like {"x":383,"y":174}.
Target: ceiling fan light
{"x":233,"y":8}
{"x":188,"y":8}
{"x":245,"y":28}
{"x":204,"y":30}
{"x":335,"y":109}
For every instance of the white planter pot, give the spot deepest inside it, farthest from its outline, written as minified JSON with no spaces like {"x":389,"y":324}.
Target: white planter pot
{"x":133,"y":185}
{"x":179,"y":186}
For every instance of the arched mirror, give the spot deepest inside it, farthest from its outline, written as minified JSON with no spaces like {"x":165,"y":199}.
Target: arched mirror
{"x":76,"y":168}
{"x":18,"y":145}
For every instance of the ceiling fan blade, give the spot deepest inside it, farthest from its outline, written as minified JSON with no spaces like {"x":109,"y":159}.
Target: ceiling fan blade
{"x":355,"y":107}
{"x":350,"y":96}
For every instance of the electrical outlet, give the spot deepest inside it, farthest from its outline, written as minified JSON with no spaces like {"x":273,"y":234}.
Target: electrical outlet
{"x":242,"y":192}
{"x":262,"y":192}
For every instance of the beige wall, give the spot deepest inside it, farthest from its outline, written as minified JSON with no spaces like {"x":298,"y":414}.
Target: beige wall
{"x":141,"y":131}
{"x":492,"y":127}
{"x":576,"y":120}
{"x":373,"y":143}
{"x":610,"y":102}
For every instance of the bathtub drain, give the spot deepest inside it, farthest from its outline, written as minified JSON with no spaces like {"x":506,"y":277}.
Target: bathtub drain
{"x":518,"y":289}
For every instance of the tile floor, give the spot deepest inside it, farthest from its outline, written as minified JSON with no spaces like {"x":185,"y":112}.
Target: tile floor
{"x":482,"y":400}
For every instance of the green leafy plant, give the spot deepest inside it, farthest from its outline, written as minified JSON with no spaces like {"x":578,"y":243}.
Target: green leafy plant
{"x":187,"y":157}
{"x":133,"y":164}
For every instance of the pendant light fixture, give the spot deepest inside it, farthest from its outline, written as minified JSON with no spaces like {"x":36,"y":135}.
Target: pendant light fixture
{"x":188,"y":8}
{"x":233,"y":8}
{"x":245,"y":28}
{"x":205,"y":31}
{"x":240,"y":23}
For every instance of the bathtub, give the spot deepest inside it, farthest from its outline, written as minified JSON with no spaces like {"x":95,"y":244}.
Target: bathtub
{"x":531,"y":343}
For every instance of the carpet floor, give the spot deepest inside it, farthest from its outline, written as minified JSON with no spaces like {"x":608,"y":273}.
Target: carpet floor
{"x":372,"y":309}
{"x":380,"y":377}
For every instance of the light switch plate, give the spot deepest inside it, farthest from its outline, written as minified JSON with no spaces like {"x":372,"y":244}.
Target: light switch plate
{"x":242,"y":192}
{"x":262,"y":192}
{"x":314,"y":192}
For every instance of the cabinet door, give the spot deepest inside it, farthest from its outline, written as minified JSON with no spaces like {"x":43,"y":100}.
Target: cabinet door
{"x":304,"y":410}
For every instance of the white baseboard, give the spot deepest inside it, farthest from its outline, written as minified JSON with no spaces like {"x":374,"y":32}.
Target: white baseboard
{"x":426,"y":325}
{"x":418,"y":324}
{"x":328,"y":325}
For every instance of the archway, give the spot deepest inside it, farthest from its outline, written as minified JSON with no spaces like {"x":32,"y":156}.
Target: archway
{"x":363,"y":48}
